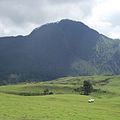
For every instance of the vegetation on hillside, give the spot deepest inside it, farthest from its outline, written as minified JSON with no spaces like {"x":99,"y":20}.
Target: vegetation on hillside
{"x":101,"y":85}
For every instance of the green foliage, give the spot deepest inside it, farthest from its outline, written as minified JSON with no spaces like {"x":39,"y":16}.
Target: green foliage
{"x":79,"y":90}
{"x":47,"y":92}
{"x":87,"y":87}
{"x":82,"y":67}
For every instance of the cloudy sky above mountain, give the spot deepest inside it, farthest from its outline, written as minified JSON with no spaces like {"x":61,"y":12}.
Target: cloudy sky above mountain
{"x":20,"y":17}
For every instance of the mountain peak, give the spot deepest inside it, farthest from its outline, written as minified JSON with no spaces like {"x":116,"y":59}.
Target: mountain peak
{"x":67,"y":20}
{"x":64,"y":24}
{"x":59,"y":49}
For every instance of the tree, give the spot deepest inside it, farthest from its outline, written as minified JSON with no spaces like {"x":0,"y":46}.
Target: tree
{"x":46,"y":92}
{"x":87,"y":87}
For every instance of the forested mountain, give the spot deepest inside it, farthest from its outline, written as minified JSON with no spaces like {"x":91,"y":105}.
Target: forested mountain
{"x":55,"y":50}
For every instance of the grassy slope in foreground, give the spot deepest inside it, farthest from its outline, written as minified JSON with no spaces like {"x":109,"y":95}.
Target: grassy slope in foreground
{"x":58,"y":107}
{"x":62,"y":106}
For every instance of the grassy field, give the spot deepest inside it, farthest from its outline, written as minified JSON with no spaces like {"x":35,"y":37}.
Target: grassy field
{"x":109,"y":86}
{"x":64,"y":104}
{"x":58,"y":107}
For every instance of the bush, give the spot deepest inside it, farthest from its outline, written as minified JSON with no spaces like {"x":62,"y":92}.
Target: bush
{"x":47,"y":92}
{"x":79,"y":90}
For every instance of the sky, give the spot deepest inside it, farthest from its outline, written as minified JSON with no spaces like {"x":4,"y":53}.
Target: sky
{"x":20,"y":17}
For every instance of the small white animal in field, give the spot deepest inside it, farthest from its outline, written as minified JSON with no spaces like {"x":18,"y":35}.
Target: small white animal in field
{"x":91,"y":100}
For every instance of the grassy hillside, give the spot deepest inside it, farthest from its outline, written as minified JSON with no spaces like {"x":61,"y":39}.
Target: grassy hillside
{"x":107,"y":85}
{"x":64,"y":104}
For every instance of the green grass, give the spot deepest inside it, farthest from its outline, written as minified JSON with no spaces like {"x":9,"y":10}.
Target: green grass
{"x":58,"y":107}
{"x":108,"y":85}
{"x":65,"y":104}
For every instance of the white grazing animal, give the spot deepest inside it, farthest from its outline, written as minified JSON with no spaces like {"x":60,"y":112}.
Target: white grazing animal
{"x":91,"y":100}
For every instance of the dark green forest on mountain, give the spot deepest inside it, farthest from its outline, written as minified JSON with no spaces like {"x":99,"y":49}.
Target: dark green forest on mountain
{"x":65,"y":48}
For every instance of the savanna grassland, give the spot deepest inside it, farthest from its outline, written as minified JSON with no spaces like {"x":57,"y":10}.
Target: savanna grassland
{"x":24,"y":101}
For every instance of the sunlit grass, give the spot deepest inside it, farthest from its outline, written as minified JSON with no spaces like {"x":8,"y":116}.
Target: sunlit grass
{"x":65,"y":103}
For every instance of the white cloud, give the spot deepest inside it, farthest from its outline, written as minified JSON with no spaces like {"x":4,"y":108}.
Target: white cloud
{"x":22,"y":16}
{"x":105,"y":17}
{"x":115,"y":32}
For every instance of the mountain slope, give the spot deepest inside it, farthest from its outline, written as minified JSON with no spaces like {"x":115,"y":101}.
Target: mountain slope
{"x":55,"y":50}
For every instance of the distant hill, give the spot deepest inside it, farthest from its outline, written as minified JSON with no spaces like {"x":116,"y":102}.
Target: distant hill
{"x":55,"y":50}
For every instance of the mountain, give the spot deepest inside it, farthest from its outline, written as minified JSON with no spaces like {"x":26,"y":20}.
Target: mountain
{"x":55,"y":50}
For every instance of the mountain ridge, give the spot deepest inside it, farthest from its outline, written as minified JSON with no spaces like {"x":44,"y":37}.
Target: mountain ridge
{"x":58,"y":49}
